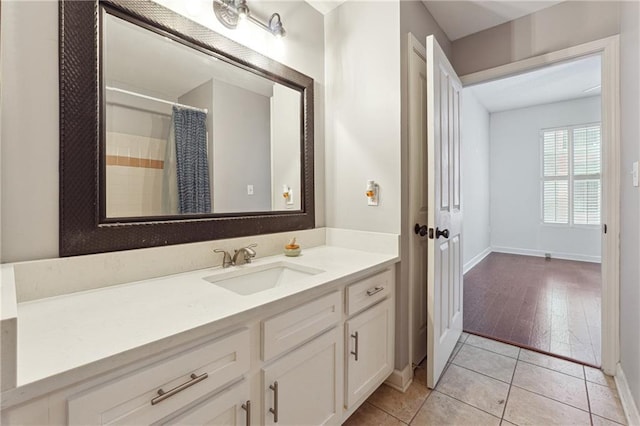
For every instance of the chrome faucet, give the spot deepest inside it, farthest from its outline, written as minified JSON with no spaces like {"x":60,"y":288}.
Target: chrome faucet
{"x":248,"y":253}
{"x":226,"y":258}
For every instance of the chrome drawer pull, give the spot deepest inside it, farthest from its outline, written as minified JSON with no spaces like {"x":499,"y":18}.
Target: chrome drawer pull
{"x":162,"y":395}
{"x":247,"y":407}
{"x":274,"y":410}
{"x":375,"y":290}
{"x":355,"y":353}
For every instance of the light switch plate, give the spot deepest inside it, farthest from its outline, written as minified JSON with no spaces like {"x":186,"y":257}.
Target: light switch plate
{"x":634,"y":172}
{"x":249,"y":189}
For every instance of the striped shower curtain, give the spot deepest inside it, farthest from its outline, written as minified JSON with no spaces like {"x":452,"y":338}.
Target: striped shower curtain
{"x":187,"y":147}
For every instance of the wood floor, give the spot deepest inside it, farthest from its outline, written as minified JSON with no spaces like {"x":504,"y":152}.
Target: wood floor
{"x":549,"y":305}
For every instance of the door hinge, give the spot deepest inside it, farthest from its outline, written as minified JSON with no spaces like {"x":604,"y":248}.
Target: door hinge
{"x":605,"y":228}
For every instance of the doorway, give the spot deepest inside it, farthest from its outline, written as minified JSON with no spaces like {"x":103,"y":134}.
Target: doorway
{"x":532,"y":179}
{"x":606,"y":50}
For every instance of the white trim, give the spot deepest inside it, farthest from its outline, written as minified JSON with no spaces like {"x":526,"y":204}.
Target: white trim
{"x":476,"y":259}
{"x":541,"y":253}
{"x":609,"y":48}
{"x":626,"y":397}
{"x":401,"y":379}
{"x":414,"y":47}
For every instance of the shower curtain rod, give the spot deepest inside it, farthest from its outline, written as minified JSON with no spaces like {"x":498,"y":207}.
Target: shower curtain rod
{"x":151,"y":98}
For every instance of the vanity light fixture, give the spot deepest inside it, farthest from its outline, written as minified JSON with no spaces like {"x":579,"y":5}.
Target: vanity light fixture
{"x":229,"y":12}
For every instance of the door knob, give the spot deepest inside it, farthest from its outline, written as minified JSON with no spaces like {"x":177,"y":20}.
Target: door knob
{"x":443,"y":233}
{"x":422,"y":230}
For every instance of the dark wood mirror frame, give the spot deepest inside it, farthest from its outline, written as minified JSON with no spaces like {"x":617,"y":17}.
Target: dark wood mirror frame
{"x":84,"y":229}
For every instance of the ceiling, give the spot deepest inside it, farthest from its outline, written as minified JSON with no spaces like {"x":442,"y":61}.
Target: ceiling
{"x":142,"y":61}
{"x":325,"y":6}
{"x":461,"y":18}
{"x":555,"y":83}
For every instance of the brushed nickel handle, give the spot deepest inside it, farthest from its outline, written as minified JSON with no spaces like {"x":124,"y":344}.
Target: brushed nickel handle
{"x":274,"y":410}
{"x":355,"y":353}
{"x":247,"y":407}
{"x":375,"y":290}
{"x":162,"y":395}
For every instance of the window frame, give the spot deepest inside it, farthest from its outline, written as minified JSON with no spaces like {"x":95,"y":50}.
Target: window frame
{"x":571,"y":175}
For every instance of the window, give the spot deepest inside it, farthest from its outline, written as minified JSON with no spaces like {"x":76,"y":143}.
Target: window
{"x":571,"y":184}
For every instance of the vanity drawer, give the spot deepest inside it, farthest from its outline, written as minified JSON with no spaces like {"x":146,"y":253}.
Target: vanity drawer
{"x":291,"y":328}
{"x":184,"y":378}
{"x":369,"y":291}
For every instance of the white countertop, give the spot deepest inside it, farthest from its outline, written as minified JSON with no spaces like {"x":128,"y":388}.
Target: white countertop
{"x":68,"y":332}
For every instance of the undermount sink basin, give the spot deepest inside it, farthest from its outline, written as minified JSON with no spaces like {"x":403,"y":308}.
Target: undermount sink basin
{"x":248,"y":280}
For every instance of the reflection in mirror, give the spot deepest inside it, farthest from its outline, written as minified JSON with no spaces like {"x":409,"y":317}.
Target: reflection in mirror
{"x":188,"y":133}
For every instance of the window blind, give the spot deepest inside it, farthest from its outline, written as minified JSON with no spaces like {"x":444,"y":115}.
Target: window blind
{"x":571,"y":175}
{"x":586,"y":173}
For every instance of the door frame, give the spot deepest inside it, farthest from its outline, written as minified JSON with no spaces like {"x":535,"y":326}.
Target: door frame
{"x":414,"y":46}
{"x":609,"y":49}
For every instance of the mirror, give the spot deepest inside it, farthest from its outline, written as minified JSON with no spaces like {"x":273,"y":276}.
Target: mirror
{"x":189,"y":133}
{"x":171,"y":133}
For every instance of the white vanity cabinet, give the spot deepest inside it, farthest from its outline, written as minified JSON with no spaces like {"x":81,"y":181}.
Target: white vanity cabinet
{"x":165,"y":388}
{"x":290,"y":363}
{"x":369,"y":337}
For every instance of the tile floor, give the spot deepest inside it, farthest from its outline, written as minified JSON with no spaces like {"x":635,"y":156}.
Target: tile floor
{"x":491,"y":383}
{"x":551,"y":305}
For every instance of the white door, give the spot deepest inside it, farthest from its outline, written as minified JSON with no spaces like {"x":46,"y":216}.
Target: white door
{"x":418,"y":201}
{"x":444,"y":218}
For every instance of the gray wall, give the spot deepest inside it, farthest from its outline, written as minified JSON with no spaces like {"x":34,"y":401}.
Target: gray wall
{"x":285,"y":146}
{"x":241,"y":149}
{"x":29,"y":110}
{"x":566,"y":24}
{"x":516,"y":202}
{"x":630,"y":197}
{"x":475,"y":169}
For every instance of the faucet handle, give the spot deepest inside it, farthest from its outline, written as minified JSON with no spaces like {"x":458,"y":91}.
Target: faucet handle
{"x":226,"y":258}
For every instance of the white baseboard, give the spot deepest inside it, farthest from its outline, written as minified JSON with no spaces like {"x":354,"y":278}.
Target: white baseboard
{"x":401,"y":379}
{"x":541,"y":253}
{"x":476,"y":259}
{"x":628,"y":403}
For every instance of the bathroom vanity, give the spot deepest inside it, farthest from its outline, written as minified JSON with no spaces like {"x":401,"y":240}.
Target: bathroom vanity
{"x":282,"y":340}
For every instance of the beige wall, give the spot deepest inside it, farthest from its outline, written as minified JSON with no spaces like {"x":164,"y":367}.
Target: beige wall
{"x":630,"y":197}
{"x":29,"y":109}
{"x":362,"y":46}
{"x":566,"y":24}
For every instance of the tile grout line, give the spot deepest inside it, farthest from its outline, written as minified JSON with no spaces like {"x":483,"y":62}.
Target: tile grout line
{"x":465,"y":403}
{"x":552,"y":399}
{"x":431,"y":391}
{"x":586,"y":388}
{"x":494,"y":352}
{"x":385,"y":411}
{"x":556,"y":371}
{"x":482,"y":374}
{"x":506,"y":401}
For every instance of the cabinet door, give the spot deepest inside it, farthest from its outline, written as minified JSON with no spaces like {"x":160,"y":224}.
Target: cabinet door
{"x":302,"y":387}
{"x":223,"y":409}
{"x":369,"y":350}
